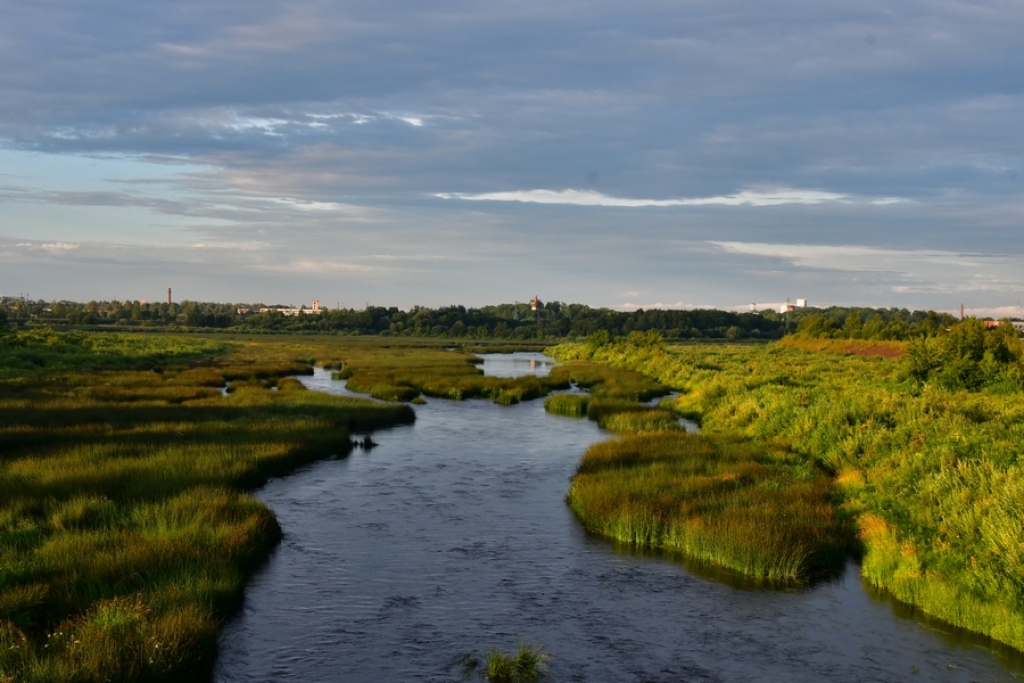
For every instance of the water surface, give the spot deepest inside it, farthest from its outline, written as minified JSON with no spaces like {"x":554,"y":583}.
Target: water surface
{"x":453,"y":535}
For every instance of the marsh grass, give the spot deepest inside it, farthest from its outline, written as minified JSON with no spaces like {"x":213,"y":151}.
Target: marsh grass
{"x":637,"y":421}
{"x":401,"y":373}
{"x":940,"y":471}
{"x":528,"y":664}
{"x":611,"y":394}
{"x":604,"y":381}
{"x":44,"y":348}
{"x":125,"y":532}
{"x":716,"y":500}
{"x":571,"y":405}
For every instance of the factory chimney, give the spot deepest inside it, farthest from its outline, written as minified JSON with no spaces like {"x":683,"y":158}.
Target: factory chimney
{"x":168,"y":296}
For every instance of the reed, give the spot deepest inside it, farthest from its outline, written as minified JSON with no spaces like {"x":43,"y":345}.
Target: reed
{"x":571,"y":405}
{"x":609,"y":382}
{"x":125,"y":531}
{"x":716,"y":500}
{"x":402,"y":372}
{"x":940,"y":467}
{"x":528,"y":664}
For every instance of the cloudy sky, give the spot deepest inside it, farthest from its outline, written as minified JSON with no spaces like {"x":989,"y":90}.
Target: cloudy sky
{"x":620,"y":154}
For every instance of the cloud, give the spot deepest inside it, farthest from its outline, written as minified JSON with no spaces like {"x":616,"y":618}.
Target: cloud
{"x":742,"y":198}
{"x":855,"y":257}
{"x":678,"y":305}
{"x":906,"y":272}
{"x":305,"y":130}
{"x":50,"y":247}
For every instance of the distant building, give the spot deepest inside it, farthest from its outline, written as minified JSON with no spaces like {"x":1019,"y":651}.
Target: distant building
{"x":1017,"y":324}
{"x":287,"y":312}
{"x":801,"y":303}
{"x":536,"y":303}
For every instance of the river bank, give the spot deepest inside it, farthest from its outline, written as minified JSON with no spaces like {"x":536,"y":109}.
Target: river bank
{"x":453,"y":534}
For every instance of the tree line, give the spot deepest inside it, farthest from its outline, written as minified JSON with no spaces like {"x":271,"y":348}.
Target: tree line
{"x":513,"y":321}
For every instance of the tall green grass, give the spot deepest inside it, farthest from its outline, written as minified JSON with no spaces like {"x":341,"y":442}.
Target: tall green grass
{"x":714,"y":499}
{"x":125,"y":532}
{"x":939,"y":469}
{"x":608,"y":382}
{"x":571,"y":405}
{"x":401,"y":373}
{"x":528,"y":664}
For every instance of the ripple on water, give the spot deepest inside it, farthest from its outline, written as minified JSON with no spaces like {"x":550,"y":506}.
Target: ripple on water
{"x":454,"y":535}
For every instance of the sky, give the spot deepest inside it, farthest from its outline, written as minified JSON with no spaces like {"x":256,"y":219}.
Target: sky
{"x":394,"y":152}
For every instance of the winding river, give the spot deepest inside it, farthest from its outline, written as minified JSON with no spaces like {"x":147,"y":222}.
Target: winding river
{"x":453,"y":535}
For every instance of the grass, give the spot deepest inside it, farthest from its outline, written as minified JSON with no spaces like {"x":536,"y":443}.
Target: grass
{"x":528,"y":664}
{"x":717,"y":500}
{"x":604,"y":381}
{"x":933,"y":477}
{"x":612,"y":399}
{"x":126,"y":534}
{"x":403,"y":372}
{"x":570,"y":405}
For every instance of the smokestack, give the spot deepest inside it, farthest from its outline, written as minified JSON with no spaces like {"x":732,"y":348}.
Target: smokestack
{"x":961,"y":311}
{"x":169,"y":300}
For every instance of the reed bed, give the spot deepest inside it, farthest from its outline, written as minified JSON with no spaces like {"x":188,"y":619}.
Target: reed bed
{"x":528,"y":664}
{"x":933,"y":476}
{"x":716,"y":500}
{"x":402,"y":373}
{"x":570,"y":405}
{"x":605,"y":381}
{"x":125,"y":530}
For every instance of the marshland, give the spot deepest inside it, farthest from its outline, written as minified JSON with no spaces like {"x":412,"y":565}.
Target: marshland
{"x":588,"y":522}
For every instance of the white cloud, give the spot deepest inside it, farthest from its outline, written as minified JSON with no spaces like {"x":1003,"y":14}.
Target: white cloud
{"x":905,"y":271}
{"x":855,"y":257}
{"x":679,"y":305}
{"x":51,"y":247}
{"x":311,"y":266}
{"x":995,"y":312}
{"x":741,"y":198}
{"x":303,"y":205}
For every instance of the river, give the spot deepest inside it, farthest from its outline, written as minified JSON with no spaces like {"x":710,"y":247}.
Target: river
{"x":453,"y":535}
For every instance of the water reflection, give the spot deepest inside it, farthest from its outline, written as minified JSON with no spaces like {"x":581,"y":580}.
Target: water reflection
{"x":516,"y":364}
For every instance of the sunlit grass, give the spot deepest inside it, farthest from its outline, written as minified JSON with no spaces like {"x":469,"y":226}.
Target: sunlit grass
{"x":125,"y":532}
{"x":715,"y":500}
{"x":571,"y":405}
{"x":402,"y":373}
{"x":941,"y":469}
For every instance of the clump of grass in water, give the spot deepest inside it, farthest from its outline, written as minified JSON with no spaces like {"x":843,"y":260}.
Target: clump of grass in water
{"x":714,"y":499}
{"x":571,"y":405}
{"x":528,"y":664}
{"x":402,"y":373}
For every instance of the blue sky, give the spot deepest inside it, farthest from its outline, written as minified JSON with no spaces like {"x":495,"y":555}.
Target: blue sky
{"x":617,"y":154}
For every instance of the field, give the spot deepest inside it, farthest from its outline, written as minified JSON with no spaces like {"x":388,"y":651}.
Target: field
{"x":125,"y":530}
{"x":930,"y":474}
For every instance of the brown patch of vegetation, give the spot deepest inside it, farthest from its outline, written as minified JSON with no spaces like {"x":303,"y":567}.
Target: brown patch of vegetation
{"x":852,"y":347}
